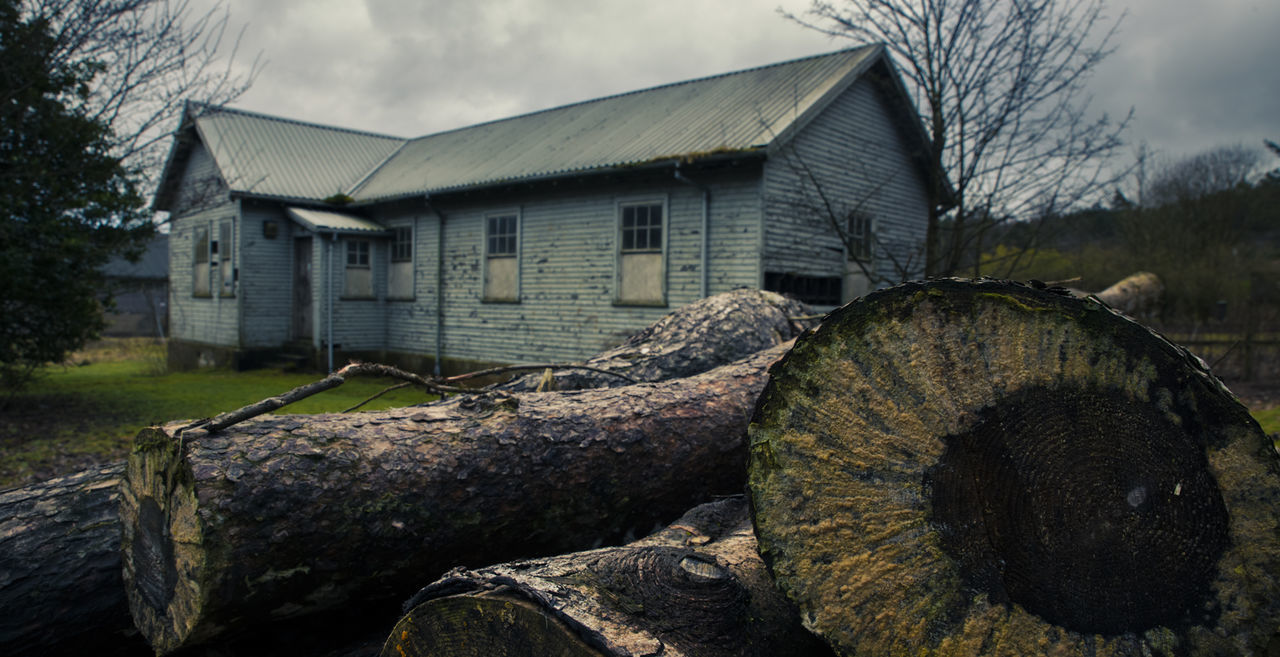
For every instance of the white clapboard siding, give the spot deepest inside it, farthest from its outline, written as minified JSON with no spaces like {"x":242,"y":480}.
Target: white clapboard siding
{"x":206,"y":319}
{"x":860,"y":159}
{"x":567,"y":263}
{"x":266,"y":276}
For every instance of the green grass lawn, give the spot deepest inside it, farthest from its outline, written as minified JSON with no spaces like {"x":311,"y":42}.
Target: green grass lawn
{"x":1269,"y":419}
{"x":76,"y":415}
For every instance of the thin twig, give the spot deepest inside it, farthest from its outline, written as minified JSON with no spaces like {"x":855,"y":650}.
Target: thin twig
{"x":397,"y":386}
{"x":357,"y":369}
{"x":518,"y":368}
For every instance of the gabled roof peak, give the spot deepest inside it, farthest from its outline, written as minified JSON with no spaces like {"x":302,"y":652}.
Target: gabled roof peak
{"x":634,"y":92}
{"x":196,"y":110}
{"x":748,"y":112}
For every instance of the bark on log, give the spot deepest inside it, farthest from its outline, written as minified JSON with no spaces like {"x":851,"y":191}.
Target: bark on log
{"x":965,"y":468}
{"x":708,"y":333}
{"x":60,"y":586}
{"x":697,"y":587}
{"x":293,"y":514}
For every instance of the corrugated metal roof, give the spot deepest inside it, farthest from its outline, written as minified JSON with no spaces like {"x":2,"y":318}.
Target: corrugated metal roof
{"x":730,"y":112}
{"x":322,"y":221}
{"x":736,"y":112}
{"x":268,"y":156}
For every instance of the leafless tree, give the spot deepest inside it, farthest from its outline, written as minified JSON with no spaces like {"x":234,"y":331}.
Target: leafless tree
{"x":152,"y":56}
{"x":1000,"y":88}
{"x":1199,"y":223}
{"x":1215,"y":170}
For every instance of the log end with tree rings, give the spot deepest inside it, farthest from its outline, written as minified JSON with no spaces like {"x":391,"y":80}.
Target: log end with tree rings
{"x":163,"y":550}
{"x":981,"y":467}
{"x":484,"y":626}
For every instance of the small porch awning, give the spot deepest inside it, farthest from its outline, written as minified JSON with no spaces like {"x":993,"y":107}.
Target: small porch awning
{"x":322,"y":221}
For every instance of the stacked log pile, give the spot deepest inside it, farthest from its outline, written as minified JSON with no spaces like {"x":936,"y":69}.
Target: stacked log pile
{"x":60,"y":559}
{"x":941,"y":468}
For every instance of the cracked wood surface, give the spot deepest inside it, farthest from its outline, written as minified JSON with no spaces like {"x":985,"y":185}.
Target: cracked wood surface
{"x":696,"y":588}
{"x":984,"y":468}
{"x":291,"y":515}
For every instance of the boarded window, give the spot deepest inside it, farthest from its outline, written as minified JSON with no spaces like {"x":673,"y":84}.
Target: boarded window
{"x":359,"y":275}
{"x":813,"y":290}
{"x":200,"y":263}
{"x":400,"y":267}
{"x":859,"y":234}
{"x":641,"y":263}
{"x":226,"y":263}
{"x":502,"y":264}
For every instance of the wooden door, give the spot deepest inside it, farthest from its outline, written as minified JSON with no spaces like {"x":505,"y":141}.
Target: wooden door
{"x":302,"y":316}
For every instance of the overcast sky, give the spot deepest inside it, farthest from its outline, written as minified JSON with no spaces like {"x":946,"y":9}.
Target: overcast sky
{"x":1198,"y":74}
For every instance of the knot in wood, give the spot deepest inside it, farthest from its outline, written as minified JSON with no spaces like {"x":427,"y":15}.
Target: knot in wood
{"x":665,"y":584}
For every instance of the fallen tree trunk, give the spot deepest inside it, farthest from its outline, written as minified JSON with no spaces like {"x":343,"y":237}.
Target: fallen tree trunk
{"x":703,"y":335}
{"x":94,"y":596}
{"x":290,"y":515}
{"x":60,"y":585}
{"x":1134,"y":294}
{"x":697,"y":587}
{"x":959,"y":468}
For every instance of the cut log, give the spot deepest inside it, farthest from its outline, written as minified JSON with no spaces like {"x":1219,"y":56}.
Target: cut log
{"x":708,"y":333}
{"x":982,"y":468}
{"x":1135,"y":294}
{"x":697,"y":587}
{"x":290,"y":515}
{"x":60,"y":585}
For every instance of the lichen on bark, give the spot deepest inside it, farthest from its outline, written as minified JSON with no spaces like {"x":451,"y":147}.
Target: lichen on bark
{"x":912,"y":457}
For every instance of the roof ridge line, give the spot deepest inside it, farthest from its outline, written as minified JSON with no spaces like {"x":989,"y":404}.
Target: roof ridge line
{"x":309,"y":124}
{"x":373,"y":170}
{"x":644,"y":90}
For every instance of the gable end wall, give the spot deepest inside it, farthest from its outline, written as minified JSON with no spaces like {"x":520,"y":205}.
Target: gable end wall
{"x":859,"y":159}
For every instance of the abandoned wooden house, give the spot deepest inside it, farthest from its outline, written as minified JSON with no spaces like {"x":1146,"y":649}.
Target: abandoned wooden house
{"x":546,"y":236}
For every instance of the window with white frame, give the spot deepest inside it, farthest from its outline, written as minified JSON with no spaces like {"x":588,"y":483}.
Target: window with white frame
{"x":358,"y":282}
{"x":859,"y":236}
{"x":641,"y":251}
{"x":400,"y":263}
{"x":226,"y":263}
{"x":502,"y":261}
{"x":200,"y":268}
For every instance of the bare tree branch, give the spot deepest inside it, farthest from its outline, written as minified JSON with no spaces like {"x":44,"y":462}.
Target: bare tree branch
{"x":152,"y":56}
{"x":1001,"y":90}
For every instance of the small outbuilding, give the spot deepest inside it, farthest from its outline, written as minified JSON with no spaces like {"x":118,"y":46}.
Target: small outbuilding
{"x":140,"y":292}
{"x":547,"y":236}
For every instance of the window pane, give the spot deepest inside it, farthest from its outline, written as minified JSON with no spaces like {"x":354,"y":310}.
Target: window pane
{"x":402,"y":244}
{"x":202,"y":245}
{"x":357,"y":254}
{"x":502,"y":235}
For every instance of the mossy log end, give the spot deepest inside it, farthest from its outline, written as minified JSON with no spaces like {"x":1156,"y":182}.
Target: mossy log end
{"x":289,"y":515}
{"x":705,"y":334}
{"x":697,"y":587}
{"x":983,"y":468}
